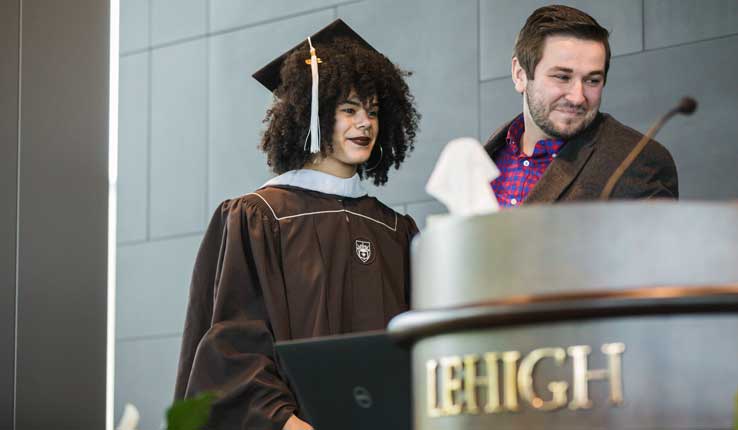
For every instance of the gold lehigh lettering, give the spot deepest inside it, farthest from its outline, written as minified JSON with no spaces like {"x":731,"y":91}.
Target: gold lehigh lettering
{"x":456,"y":388}
{"x":432,"y":397}
{"x":613,"y":351}
{"x":582,"y":375}
{"x":509,"y":361}
{"x":525,"y":379}
{"x":471,"y":382}
{"x":451,"y":374}
{"x":493,"y":383}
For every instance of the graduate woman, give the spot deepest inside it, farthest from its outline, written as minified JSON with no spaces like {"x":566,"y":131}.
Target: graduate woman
{"x":308,"y":254}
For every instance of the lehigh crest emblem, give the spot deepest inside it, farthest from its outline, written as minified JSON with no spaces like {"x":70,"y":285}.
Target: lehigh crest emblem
{"x":364,"y":250}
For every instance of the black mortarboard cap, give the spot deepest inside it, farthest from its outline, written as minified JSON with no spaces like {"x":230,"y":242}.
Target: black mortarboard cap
{"x":269,"y":75}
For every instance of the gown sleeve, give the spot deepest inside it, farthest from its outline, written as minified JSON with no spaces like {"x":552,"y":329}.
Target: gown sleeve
{"x":235,"y":304}
{"x":411,"y":232}
{"x":412,"y":228}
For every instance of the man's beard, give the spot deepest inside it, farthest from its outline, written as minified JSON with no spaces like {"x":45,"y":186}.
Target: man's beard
{"x":539,"y":113}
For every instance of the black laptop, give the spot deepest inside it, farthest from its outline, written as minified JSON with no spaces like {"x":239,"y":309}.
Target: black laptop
{"x":357,"y":381}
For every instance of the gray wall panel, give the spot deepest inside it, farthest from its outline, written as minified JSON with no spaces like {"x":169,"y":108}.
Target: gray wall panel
{"x":177,"y":19}
{"x":145,"y":378}
{"x":133,"y":147}
{"x":62,"y":303}
{"x":238,"y":103}
{"x":499,"y":104}
{"x":408,"y":183}
{"x":703,"y":145}
{"x":178,"y":139}
{"x":453,"y":48}
{"x":153,"y":286}
{"x":400,"y":209}
{"x":500,"y":22}
{"x":446,"y":90}
{"x":671,"y":22}
{"x":227,"y":14}
{"x":9,"y":38}
{"x":422,"y":210}
{"x":134,"y":25}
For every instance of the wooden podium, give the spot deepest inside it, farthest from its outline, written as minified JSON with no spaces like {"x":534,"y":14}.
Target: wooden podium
{"x":584,"y":316}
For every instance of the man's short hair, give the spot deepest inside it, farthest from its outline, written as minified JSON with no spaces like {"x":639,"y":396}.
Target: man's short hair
{"x":556,"y":20}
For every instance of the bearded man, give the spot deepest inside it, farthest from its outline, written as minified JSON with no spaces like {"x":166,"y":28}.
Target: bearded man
{"x":562,"y":148}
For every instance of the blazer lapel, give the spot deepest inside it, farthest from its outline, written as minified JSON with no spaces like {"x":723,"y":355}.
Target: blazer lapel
{"x":566,"y":166}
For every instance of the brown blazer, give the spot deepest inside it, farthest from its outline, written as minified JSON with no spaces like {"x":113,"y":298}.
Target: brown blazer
{"x":585,"y":163}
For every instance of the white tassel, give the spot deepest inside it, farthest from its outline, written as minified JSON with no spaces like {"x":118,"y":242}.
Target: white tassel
{"x":314,"y":132}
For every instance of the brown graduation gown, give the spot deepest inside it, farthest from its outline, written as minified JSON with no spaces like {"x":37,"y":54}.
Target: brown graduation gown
{"x":285,"y":263}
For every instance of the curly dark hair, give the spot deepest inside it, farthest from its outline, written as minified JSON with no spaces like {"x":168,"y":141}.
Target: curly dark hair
{"x":346,"y":66}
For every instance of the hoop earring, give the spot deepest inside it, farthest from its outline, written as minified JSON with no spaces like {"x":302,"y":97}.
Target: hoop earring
{"x":381,"y":154}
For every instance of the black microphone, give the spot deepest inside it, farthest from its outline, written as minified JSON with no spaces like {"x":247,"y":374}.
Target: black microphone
{"x":686,"y":106}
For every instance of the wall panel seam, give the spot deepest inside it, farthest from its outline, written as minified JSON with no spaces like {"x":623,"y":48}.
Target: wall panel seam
{"x":149,"y":119}
{"x":208,"y":34}
{"x":419,"y":202}
{"x":643,"y":25}
{"x":679,"y":45}
{"x":484,"y":81}
{"x":479,"y":68}
{"x":206,"y":206}
{"x":130,"y":243}
{"x":17,"y":210}
{"x":158,"y":336}
{"x":630,"y":54}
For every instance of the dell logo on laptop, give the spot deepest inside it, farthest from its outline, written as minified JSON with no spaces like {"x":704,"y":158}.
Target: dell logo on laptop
{"x":362,"y":397}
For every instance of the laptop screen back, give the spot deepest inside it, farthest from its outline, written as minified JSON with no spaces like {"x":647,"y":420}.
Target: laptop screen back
{"x":357,"y":381}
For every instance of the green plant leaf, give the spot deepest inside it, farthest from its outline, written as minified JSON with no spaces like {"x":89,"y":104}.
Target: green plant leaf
{"x":190,"y":414}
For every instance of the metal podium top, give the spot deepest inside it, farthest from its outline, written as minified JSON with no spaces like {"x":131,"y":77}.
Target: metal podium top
{"x":574,"y":248}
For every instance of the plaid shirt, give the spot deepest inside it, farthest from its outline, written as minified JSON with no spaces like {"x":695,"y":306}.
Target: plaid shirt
{"x":519,"y":173}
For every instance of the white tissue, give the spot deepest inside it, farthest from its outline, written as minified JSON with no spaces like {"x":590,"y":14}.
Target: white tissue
{"x":130,"y":418}
{"x":462,"y":176}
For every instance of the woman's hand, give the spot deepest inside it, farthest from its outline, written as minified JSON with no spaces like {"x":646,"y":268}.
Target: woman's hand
{"x":295,"y":423}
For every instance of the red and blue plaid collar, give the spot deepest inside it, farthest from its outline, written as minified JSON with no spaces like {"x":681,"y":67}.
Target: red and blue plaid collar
{"x":544,"y":147}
